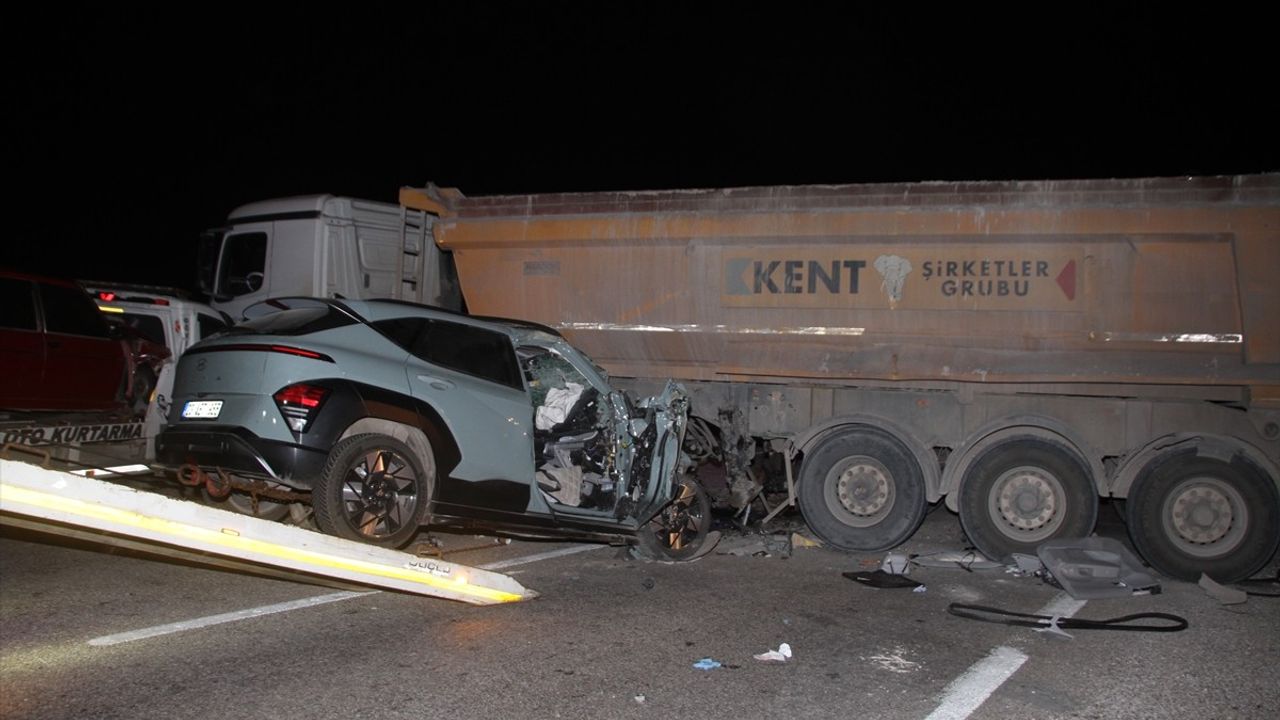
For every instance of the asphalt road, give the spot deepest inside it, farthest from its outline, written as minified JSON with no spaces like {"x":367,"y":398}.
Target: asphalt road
{"x":610,"y":637}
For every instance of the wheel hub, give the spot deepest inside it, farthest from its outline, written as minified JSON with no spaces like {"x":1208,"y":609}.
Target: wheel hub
{"x":378,"y":493}
{"x":1026,"y":498}
{"x":1202,"y":515}
{"x":863,"y":490}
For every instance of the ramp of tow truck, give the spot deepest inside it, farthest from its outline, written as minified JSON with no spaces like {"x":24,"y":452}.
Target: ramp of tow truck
{"x":65,"y":504}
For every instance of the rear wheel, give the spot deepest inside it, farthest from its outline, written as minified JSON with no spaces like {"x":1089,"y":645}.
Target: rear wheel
{"x":373,"y":489}
{"x":1190,"y":515}
{"x":1024,"y":491}
{"x":677,"y":533}
{"x":862,"y":490}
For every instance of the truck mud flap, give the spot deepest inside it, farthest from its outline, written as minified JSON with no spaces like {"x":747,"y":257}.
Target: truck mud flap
{"x":61,"y":503}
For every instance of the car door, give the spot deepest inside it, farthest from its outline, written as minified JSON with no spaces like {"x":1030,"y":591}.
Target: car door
{"x":470,"y":376}
{"x":85,"y":366}
{"x":21,"y":346}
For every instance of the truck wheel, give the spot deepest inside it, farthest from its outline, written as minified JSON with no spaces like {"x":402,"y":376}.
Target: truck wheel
{"x":678,"y":531}
{"x":373,"y":489}
{"x":1022,"y":492}
{"x":862,"y":490}
{"x":1190,"y":515}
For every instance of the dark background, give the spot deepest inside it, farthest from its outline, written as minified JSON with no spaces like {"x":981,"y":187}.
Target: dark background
{"x":131,"y":131}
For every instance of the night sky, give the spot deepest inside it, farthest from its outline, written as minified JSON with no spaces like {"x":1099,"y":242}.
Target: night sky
{"x":129,"y":132}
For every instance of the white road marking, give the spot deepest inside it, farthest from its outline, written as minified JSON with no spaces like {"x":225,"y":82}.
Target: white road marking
{"x":224,"y":618}
{"x":966,"y":693}
{"x":197,"y":623}
{"x":572,"y":550}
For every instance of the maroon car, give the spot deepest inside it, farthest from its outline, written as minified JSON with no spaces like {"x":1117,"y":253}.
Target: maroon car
{"x":56,"y":350}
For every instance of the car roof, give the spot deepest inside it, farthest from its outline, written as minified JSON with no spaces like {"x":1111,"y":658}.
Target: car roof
{"x":382,"y":309}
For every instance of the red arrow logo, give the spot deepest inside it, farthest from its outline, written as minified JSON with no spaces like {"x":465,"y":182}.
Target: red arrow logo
{"x":1067,"y":280}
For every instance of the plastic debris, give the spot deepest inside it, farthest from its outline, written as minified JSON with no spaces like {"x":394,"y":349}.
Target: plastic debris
{"x":1096,"y":567}
{"x":782,"y":654}
{"x":919,"y":589}
{"x":882,"y":579}
{"x":1222,"y":593}
{"x":963,"y":559}
{"x":640,"y":699}
{"x":706,"y":664}
{"x":803,"y":541}
{"x":895,"y":564}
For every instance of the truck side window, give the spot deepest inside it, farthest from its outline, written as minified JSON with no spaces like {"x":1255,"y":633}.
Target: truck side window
{"x":69,"y":311}
{"x":244,"y":261}
{"x":17,"y":305}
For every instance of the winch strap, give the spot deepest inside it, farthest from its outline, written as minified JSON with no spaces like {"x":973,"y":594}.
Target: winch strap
{"x":1165,"y":621}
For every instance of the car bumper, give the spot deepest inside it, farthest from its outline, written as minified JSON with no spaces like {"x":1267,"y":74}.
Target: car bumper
{"x":239,"y":452}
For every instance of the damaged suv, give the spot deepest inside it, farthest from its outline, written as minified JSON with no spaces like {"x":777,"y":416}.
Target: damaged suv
{"x":395,"y":415}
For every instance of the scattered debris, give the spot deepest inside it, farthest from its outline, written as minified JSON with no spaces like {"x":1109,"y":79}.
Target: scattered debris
{"x":894,"y":662}
{"x":706,"y":664}
{"x":895,"y":564}
{"x":1096,"y":567}
{"x":756,"y":545}
{"x":919,"y":589}
{"x":803,"y":541}
{"x":782,"y":654}
{"x":1055,"y":624}
{"x":1025,"y":565}
{"x":882,"y":579}
{"x":647,"y":583}
{"x":640,"y":699}
{"x":1221,"y":593}
{"x":963,"y":559}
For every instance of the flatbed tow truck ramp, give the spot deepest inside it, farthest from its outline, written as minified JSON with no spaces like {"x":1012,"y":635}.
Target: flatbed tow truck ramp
{"x":34,"y":498}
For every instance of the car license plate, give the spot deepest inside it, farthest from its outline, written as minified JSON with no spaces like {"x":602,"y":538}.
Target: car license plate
{"x":202,"y":409}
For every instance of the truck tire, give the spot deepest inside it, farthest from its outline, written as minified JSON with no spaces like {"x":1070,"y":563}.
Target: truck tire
{"x":1190,"y":514}
{"x":373,"y":489}
{"x":1024,"y":491}
{"x":862,"y":490}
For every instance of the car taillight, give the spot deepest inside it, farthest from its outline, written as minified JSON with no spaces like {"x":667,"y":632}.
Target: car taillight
{"x":299,"y":404}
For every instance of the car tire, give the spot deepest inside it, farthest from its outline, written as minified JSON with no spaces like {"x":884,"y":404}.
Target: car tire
{"x":862,"y":490}
{"x":678,"y":531}
{"x":373,"y":489}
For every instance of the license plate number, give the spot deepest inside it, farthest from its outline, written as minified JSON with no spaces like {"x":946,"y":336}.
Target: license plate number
{"x":202,"y":409}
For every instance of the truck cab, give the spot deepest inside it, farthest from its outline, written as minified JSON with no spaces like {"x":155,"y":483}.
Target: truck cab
{"x":324,"y":246}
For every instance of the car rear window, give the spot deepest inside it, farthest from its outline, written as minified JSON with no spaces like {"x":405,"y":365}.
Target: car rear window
{"x":69,"y":311}
{"x":17,"y":305}
{"x":295,"y":321}
{"x":486,"y":354}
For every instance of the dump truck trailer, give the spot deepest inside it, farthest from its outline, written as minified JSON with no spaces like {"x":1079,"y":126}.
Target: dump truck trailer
{"x":1017,"y":349}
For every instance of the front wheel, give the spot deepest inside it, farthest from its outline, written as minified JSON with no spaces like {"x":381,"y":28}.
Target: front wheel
{"x":1190,"y":515}
{"x":678,"y":531}
{"x":1024,"y":491}
{"x":862,"y":490}
{"x":374,"y":489}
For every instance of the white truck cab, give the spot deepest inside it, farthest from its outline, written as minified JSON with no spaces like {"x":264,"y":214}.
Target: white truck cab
{"x":324,"y":246}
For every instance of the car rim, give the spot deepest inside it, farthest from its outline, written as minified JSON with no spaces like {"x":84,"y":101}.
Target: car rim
{"x":1205,"y":516}
{"x":860,"y":491}
{"x":679,"y":521}
{"x":379,"y":493}
{"x":1029,"y":501}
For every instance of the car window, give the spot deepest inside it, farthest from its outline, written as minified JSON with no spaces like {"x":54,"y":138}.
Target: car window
{"x":151,"y":327}
{"x":467,"y":349}
{"x":209,"y":325}
{"x":17,"y":306}
{"x":69,"y":311}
